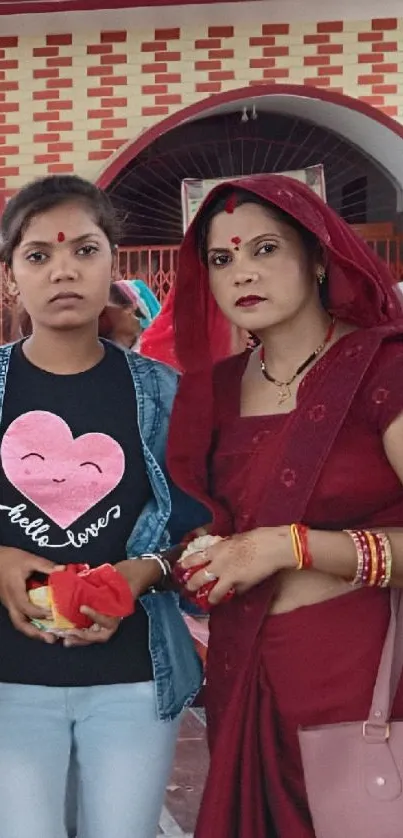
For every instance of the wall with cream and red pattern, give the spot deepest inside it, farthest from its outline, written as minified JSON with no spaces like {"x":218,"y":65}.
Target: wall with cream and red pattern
{"x":70,"y":101}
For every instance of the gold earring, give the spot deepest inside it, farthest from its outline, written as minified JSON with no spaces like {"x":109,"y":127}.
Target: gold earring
{"x":321,"y":275}
{"x":10,"y":288}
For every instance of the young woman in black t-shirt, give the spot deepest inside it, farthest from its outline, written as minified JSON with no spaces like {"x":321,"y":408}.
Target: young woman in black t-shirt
{"x":81,"y":449}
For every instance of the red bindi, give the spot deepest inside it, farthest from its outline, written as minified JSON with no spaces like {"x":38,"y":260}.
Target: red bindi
{"x":236,"y":241}
{"x":61,"y":237}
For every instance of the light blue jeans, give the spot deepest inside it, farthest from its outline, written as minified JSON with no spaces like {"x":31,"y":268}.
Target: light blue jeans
{"x":107,"y":738}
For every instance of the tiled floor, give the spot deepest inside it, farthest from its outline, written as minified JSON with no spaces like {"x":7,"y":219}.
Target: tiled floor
{"x":185,"y":788}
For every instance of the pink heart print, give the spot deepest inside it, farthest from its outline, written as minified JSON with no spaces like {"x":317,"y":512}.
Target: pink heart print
{"x":64,"y":477}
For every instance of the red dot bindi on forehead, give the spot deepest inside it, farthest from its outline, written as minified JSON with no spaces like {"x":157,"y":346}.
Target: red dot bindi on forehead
{"x":236,"y":241}
{"x":61,"y":237}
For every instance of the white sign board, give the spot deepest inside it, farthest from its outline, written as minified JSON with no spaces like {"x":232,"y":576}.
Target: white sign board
{"x":194,"y":191}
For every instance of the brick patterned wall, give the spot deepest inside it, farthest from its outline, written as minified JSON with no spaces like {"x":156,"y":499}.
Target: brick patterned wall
{"x":68,"y":102}
{"x":10,"y":151}
{"x":52,"y":105}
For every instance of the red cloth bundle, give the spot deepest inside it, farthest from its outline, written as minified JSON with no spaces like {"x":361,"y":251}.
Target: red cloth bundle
{"x":200,"y":597}
{"x":102,"y":588}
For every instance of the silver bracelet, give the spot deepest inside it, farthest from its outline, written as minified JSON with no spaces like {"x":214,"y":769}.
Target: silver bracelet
{"x":163,"y":563}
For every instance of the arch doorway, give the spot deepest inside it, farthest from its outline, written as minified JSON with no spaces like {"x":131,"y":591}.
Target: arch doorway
{"x":248,"y":131}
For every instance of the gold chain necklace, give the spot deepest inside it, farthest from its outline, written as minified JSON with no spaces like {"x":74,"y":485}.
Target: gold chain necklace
{"x":284,"y":392}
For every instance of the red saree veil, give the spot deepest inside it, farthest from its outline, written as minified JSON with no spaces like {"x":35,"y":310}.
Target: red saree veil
{"x":158,"y":341}
{"x":235,"y":803}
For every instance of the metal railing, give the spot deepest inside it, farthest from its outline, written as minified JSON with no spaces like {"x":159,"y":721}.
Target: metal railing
{"x":157,"y":266}
{"x":387,"y":243}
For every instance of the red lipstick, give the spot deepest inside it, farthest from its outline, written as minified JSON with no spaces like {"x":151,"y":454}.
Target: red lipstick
{"x":251,"y":300}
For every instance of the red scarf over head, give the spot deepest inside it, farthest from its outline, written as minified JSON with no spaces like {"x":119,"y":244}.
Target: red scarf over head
{"x":360,"y":291}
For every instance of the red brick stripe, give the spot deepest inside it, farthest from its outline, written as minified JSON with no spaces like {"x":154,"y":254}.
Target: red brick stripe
{"x":208,"y":43}
{"x":385,"y":23}
{"x":331,"y":26}
{"x":59,"y":40}
{"x":8,"y":41}
{"x":275,"y":29}
{"x":167,"y":34}
{"x":114,"y":37}
{"x":221,"y":31}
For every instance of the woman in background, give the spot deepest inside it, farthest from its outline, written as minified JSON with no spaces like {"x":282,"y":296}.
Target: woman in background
{"x":127,"y":315}
{"x":120,"y":320}
{"x":148,"y":301}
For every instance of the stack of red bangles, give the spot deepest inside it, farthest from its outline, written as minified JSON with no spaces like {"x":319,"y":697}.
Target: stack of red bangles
{"x":374,"y":558}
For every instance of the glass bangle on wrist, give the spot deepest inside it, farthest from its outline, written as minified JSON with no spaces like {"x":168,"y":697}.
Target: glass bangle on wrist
{"x":374,"y":558}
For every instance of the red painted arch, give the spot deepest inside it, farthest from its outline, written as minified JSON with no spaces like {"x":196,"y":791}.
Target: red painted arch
{"x":38,"y":7}
{"x":199,"y":108}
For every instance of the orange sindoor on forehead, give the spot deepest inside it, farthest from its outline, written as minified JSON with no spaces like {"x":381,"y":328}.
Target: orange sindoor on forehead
{"x":61,"y":237}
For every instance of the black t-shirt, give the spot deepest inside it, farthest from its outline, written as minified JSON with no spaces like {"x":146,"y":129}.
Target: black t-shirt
{"x":72,"y":484}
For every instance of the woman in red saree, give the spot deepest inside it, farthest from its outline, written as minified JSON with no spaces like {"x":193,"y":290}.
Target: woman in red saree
{"x":307,"y":429}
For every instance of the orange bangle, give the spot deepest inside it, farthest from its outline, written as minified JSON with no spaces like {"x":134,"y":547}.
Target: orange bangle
{"x":296,"y":544}
{"x":374,"y":558}
{"x":299,"y":537}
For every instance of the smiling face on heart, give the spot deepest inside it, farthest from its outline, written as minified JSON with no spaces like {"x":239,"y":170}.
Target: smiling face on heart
{"x":64,"y":477}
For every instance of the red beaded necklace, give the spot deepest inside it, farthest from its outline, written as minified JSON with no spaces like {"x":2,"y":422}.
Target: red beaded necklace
{"x":284,"y":392}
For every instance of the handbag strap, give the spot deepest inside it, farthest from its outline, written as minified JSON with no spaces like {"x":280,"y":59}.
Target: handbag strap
{"x":390,"y":669}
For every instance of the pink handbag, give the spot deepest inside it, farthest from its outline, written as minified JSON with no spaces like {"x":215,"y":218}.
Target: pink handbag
{"x":354,"y":771}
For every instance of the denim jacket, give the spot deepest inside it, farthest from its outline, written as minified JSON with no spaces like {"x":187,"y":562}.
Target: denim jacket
{"x":177,"y":668}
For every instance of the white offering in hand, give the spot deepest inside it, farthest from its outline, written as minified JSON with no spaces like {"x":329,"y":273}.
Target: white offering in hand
{"x":202,"y":542}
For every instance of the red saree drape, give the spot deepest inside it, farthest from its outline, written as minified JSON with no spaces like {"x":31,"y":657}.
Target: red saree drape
{"x":268,"y":675}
